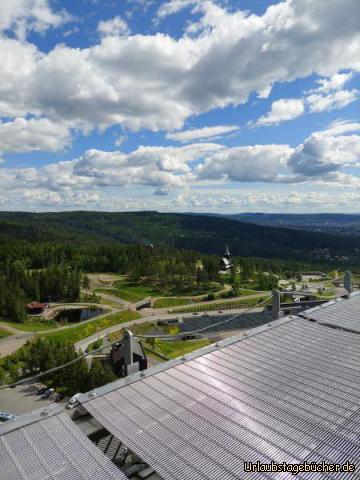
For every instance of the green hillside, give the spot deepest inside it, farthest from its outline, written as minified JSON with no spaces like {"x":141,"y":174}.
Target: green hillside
{"x":205,"y":234}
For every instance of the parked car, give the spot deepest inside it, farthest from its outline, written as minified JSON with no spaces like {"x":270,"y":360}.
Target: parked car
{"x":5,"y":416}
{"x":47,"y":393}
{"x":41,"y":390}
{"x":73,"y":401}
{"x":59,"y":397}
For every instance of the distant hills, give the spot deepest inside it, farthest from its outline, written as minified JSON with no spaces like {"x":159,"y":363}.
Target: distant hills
{"x":348,"y":224}
{"x":207,"y":234}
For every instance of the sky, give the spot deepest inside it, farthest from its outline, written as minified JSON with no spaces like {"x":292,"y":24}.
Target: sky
{"x":180,"y":105}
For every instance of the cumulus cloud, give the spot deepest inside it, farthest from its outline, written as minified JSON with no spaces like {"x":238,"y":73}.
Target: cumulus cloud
{"x":330,"y":94}
{"x":22,"y":16}
{"x":155,"y":166}
{"x":245,"y":164}
{"x":202,"y":133}
{"x":335,"y":82}
{"x":22,"y":135}
{"x":328,"y":157}
{"x":323,"y":153}
{"x":282,"y":110}
{"x":115,"y":26}
{"x":332,"y":101}
{"x":157,"y":82}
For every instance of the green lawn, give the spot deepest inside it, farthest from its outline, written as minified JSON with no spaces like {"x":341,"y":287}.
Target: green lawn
{"x":30,"y":326}
{"x":178,"y":348}
{"x":74,"y":334}
{"x":165,"y":302}
{"x":246,"y":302}
{"x":4,"y":333}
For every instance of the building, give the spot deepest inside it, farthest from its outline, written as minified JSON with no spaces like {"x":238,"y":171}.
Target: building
{"x":226,"y":261}
{"x":129,"y":351}
{"x":287,"y":391}
{"x":36,"y":308}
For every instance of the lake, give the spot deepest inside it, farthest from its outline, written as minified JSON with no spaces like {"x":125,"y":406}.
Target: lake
{"x":75,"y":315}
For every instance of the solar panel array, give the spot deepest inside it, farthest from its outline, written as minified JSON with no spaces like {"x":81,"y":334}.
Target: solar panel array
{"x":342,"y":313}
{"x":53,"y":448}
{"x":288,"y":394}
{"x":241,"y":322}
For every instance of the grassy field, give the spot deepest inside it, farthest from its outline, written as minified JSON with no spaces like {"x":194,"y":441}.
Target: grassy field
{"x":75,"y":334}
{"x":165,"y":302}
{"x":178,"y":348}
{"x":135,"y":292}
{"x":249,"y":302}
{"x":4,"y":333}
{"x":30,"y":326}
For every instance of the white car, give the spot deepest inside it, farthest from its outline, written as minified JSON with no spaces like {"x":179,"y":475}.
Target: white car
{"x":73,"y":401}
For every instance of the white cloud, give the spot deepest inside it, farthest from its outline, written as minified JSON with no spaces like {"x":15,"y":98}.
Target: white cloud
{"x":326,"y":158}
{"x":22,"y":16}
{"x":174,"y":6}
{"x":22,"y":135}
{"x":324,"y":153}
{"x":43,"y":198}
{"x":341,"y":126}
{"x":331,"y":101}
{"x":154,"y":166}
{"x":291,"y":201}
{"x":157,"y":82}
{"x":202,"y":133}
{"x":115,"y":26}
{"x":335,"y":82}
{"x":330,"y":94}
{"x":245,"y":164}
{"x":282,"y":110}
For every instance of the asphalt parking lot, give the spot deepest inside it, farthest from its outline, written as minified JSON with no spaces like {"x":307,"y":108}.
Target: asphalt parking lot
{"x":22,"y":399}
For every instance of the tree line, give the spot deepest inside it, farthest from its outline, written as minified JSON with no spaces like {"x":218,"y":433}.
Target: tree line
{"x":43,"y":354}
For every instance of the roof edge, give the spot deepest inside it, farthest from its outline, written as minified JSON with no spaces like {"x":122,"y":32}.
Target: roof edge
{"x":110,"y":387}
{"x":327,"y":304}
{"x":32,"y":417}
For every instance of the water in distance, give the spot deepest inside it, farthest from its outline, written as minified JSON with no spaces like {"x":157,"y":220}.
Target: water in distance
{"x":75,"y":315}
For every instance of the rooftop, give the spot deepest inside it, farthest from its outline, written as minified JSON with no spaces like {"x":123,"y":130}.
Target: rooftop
{"x":287,"y":391}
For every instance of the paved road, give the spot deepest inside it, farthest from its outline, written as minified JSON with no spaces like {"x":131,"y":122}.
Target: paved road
{"x":162,"y":311}
{"x":9,"y":345}
{"x":114,"y":299}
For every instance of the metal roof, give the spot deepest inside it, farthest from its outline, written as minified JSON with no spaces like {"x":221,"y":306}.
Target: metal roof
{"x":51,"y":448}
{"x":287,"y":392}
{"x":342,"y":312}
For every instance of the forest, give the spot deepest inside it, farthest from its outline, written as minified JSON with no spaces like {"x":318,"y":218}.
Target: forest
{"x":205,"y":234}
{"x":43,"y":257}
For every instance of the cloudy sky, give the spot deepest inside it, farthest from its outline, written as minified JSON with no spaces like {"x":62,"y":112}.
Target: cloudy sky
{"x":180,"y":105}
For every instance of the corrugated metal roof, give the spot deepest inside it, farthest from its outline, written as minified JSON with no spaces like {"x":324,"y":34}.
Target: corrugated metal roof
{"x":342,"y":313}
{"x":287,"y":393}
{"x":53,"y":448}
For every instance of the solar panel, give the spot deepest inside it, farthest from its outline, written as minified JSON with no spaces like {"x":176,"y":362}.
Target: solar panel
{"x":343,"y":313}
{"x":53,"y":448}
{"x":287,"y":393}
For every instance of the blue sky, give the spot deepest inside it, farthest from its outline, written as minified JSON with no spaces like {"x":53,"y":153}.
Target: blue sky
{"x":180,"y":105}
